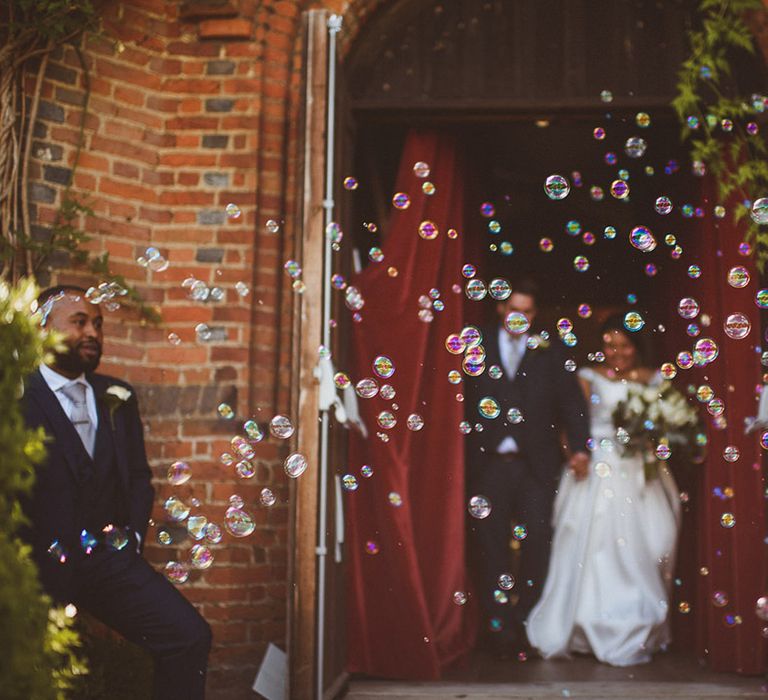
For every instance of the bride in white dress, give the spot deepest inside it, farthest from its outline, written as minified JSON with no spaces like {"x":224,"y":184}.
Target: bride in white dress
{"x":608,"y":587}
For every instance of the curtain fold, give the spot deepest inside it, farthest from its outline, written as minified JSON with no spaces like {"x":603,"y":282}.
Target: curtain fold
{"x":406,"y":561}
{"x":723,"y":568}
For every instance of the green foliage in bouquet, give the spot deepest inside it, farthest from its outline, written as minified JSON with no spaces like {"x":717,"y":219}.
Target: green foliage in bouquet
{"x":658,"y":423}
{"x":37,"y":644}
{"x":720,"y":124}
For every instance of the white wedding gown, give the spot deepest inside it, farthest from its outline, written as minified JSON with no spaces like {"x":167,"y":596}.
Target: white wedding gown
{"x":612,"y":560}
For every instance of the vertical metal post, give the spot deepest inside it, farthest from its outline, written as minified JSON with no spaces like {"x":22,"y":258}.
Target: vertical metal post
{"x":334,"y":26}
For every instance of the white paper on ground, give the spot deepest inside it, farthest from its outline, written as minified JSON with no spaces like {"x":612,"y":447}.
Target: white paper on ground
{"x":271,"y":680}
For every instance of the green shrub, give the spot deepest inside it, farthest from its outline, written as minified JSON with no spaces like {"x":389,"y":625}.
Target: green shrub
{"x":37,"y":643}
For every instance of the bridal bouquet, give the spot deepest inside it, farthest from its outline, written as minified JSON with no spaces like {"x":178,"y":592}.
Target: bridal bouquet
{"x":657,"y":422}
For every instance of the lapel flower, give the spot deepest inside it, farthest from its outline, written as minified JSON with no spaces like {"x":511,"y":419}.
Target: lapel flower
{"x":114,"y":397}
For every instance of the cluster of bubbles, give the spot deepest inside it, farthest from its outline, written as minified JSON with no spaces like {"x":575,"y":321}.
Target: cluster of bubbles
{"x":153,"y":259}
{"x":106,"y":293}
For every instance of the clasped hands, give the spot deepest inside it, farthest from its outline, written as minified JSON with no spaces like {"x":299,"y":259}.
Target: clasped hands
{"x":579,"y":465}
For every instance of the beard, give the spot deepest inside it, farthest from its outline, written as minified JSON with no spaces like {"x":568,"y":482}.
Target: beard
{"x":73,"y":361}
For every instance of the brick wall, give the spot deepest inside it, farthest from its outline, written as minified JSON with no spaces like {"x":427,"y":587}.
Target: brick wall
{"x":193,"y":106}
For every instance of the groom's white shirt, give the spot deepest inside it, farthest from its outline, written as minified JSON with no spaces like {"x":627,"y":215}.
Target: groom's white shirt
{"x":511,"y":351}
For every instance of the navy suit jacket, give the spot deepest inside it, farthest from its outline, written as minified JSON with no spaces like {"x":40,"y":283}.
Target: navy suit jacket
{"x":551,"y":402}
{"x":64,"y":481}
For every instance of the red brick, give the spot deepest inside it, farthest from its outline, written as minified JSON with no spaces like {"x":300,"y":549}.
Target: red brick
{"x":177,"y":159}
{"x":192,"y":86}
{"x":162,"y":104}
{"x":124,"y":149}
{"x":125,"y":74}
{"x":124,"y":169}
{"x":124,"y":189}
{"x":226,"y":29}
{"x":130,"y":96}
{"x":192,"y":123}
{"x":188,"y":179}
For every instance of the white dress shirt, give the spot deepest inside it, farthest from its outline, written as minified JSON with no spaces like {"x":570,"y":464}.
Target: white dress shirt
{"x":510,"y":347}
{"x":57,"y":382}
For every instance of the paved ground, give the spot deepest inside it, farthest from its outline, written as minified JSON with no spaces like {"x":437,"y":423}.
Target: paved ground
{"x":482,"y":677}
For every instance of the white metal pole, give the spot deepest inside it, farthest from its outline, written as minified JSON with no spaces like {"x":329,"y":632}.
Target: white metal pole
{"x":334,"y":26}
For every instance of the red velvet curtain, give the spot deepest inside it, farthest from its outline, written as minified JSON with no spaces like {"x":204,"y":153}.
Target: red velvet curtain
{"x":406,"y":561}
{"x":723,"y":569}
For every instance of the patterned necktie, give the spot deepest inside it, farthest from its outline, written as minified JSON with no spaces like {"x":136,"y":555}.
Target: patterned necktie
{"x":75,"y":392}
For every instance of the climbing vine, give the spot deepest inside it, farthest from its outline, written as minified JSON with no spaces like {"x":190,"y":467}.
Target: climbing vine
{"x":721,"y":125}
{"x":30,"y":31}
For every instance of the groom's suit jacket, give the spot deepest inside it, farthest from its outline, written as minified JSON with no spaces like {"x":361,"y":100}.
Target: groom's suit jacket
{"x":70,"y":492}
{"x":551,"y":402}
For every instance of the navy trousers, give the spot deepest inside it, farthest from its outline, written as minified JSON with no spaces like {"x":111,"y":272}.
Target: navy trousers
{"x":125,"y":593}
{"x":508,"y":482}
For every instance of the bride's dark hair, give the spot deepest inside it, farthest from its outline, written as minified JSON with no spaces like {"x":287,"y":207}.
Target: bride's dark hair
{"x":615,"y":323}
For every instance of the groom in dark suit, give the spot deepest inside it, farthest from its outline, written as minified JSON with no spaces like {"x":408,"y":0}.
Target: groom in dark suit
{"x":92,"y":500}
{"x":516,"y":459}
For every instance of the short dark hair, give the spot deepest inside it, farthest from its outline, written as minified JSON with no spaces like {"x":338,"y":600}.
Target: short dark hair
{"x":46,"y":294}
{"x":526,"y":285}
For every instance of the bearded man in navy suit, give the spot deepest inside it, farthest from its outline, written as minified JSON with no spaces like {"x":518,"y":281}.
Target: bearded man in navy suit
{"x":92,"y":499}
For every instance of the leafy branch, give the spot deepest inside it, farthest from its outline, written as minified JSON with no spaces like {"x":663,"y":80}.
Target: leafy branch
{"x":722,"y":126}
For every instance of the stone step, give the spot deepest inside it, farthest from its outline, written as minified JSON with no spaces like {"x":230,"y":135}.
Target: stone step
{"x":599,"y":690}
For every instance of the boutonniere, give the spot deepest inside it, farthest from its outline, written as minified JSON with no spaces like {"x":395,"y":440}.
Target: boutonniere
{"x":538,"y":341}
{"x":114,"y":397}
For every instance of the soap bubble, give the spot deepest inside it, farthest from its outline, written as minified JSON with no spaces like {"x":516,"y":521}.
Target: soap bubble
{"x":272,"y":226}
{"x":663,"y":205}
{"x":635,"y":147}
{"x":643,"y":120}
{"x":415,"y":422}
{"x":738,"y":276}
{"x":233,"y":211}
{"x":238,"y":522}
{"x":517,"y":323}
{"x":688,"y":307}
{"x":557,"y":187}
{"x":606,"y":96}
{"x":633,"y":321}
{"x":401,"y":201}
{"x":619,"y":189}
{"x":200,"y":556}
{"x":179,"y":473}
{"x":196,"y":526}
{"x":737,"y":326}
{"x":176,"y":509}
{"x":295,"y":465}
{"x":421,"y":169}
{"x":759,"y":211}
{"x":643,"y":239}
{"x":176,"y":572}
{"x":351,"y":183}
{"x":225,"y":411}
{"x":479,"y":507}
{"x":281,"y":427}
{"x":267,"y":498}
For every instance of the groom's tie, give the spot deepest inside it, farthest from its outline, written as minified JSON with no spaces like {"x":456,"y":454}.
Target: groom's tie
{"x":516,"y":350}
{"x":75,"y":392}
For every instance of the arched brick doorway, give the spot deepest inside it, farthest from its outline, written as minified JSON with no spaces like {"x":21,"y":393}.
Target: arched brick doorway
{"x":472,"y":63}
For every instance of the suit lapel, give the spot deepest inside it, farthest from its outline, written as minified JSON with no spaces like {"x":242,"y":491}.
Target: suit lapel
{"x":111,"y":431}
{"x":68,"y":443}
